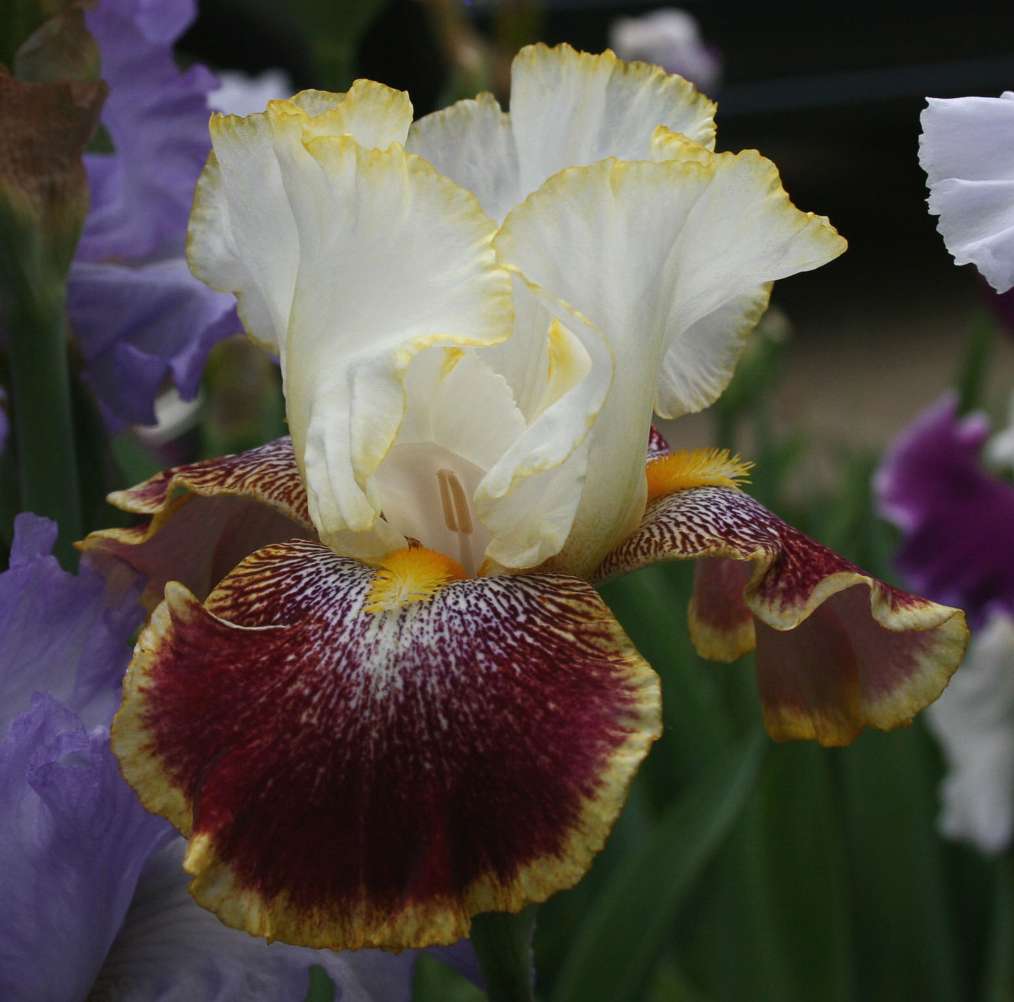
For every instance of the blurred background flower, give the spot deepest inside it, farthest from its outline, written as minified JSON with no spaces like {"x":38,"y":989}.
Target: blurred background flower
{"x":967,"y":153}
{"x":974,"y":722}
{"x":955,"y":517}
{"x":671,"y":38}
{"x":953,"y":513}
{"x":138,"y":316}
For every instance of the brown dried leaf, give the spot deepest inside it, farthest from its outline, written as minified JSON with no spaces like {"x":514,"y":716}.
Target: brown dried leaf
{"x":60,"y":49}
{"x":44,"y":128}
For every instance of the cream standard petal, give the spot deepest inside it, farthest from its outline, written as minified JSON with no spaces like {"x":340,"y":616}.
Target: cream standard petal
{"x":395,"y":258}
{"x":570,"y":108}
{"x":669,"y":261}
{"x":242,"y":237}
{"x":471,"y":142}
{"x":567,"y":108}
{"x":371,"y":113}
{"x":530,"y":498}
{"x":744,"y":233}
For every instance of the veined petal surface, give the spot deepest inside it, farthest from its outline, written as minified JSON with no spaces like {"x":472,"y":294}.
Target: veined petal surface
{"x":670,"y":262}
{"x":837,"y":650}
{"x":395,"y":259}
{"x":567,"y":108}
{"x":966,"y":152}
{"x":242,"y":236}
{"x":205,"y":517}
{"x":459,"y":750}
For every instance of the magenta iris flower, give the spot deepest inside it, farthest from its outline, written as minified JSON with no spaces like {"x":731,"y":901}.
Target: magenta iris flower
{"x":954,"y":515}
{"x":955,"y":519}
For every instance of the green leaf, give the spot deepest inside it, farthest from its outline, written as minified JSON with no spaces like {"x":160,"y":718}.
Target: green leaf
{"x":651,"y":606}
{"x":43,"y":201}
{"x":974,"y":366}
{"x":622,"y":936}
{"x":778,"y":892}
{"x":321,"y":988}
{"x":999,"y":975}
{"x":134,"y":460}
{"x":244,"y":406}
{"x":59,"y":49}
{"x":20,"y":19}
{"x":904,"y":928}
{"x":503,"y":944}
{"x":434,"y":981}
{"x":333,"y":31}
{"x":670,"y":984}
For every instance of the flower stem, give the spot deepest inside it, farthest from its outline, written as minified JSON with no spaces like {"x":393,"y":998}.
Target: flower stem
{"x":975,"y":364}
{"x":503,"y":944}
{"x":42,"y":408}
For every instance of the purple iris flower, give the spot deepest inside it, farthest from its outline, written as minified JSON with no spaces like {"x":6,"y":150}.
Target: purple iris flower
{"x":955,"y":517}
{"x":95,"y":901}
{"x":138,"y":315}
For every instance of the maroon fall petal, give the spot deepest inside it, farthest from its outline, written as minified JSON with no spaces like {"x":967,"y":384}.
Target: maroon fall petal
{"x":352,"y":777}
{"x":206,"y":517}
{"x":837,"y":650}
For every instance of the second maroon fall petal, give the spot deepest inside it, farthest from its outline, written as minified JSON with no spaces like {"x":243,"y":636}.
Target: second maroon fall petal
{"x":837,"y":650}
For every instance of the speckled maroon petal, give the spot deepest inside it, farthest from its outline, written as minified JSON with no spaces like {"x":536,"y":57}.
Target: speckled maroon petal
{"x":206,"y":517}
{"x":837,"y":650}
{"x":267,"y":474}
{"x":720,"y":621}
{"x":353,"y":778}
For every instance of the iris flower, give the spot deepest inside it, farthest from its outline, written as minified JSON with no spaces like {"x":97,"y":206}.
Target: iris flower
{"x":950,"y":509}
{"x":966,"y":150}
{"x":954,"y":515}
{"x":974,"y":723}
{"x":138,"y":316}
{"x":381,"y":694}
{"x":95,"y":902}
{"x":671,"y":37}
